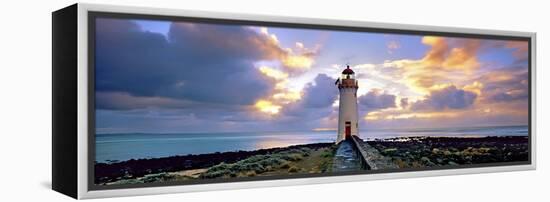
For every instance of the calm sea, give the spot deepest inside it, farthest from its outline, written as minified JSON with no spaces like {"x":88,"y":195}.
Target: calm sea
{"x":126,"y":146}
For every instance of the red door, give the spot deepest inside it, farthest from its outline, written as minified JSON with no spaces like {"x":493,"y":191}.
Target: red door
{"x":348,"y":130}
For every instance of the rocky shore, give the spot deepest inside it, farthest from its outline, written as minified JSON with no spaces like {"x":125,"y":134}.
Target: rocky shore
{"x":418,"y":152}
{"x":143,"y":170}
{"x":402,"y":152}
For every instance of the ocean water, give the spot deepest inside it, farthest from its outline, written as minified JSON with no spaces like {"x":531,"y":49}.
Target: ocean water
{"x":120,"y":147}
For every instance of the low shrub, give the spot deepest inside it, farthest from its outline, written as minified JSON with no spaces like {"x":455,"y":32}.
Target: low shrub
{"x":257,"y":164}
{"x":273,"y":161}
{"x":250,"y":173}
{"x":285,"y":165}
{"x":293,"y":169}
{"x":293,"y":157}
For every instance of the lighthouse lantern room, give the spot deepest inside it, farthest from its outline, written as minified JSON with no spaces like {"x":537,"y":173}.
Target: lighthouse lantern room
{"x":348,"y":124}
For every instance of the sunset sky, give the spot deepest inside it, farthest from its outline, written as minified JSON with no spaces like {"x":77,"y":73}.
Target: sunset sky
{"x":161,"y":76}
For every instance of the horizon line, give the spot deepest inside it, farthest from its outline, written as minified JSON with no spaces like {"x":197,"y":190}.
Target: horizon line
{"x":312,"y":130}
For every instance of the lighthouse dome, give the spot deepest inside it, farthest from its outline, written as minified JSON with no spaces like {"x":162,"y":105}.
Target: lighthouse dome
{"x":348,"y":71}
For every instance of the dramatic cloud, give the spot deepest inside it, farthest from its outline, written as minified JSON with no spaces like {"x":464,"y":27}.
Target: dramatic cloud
{"x":317,"y":101}
{"x":197,"y":62}
{"x":125,"y":101}
{"x":376,"y":99}
{"x":521,"y":49}
{"x":194,"y":63}
{"x":267,"y":107}
{"x":511,"y":95}
{"x":458,"y":56}
{"x":447,"y":58}
{"x":209,"y":77}
{"x":456,"y":82}
{"x":296,"y":59}
{"x":320,"y":93}
{"x":506,"y":86}
{"x":446,"y":98}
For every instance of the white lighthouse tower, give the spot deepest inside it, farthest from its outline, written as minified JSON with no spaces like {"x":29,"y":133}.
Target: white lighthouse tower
{"x":348,"y":124}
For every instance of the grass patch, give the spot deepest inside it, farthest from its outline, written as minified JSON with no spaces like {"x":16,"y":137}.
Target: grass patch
{"x":157,"y":177}
{"x":288,"y":161}
{"x":257,"y":164}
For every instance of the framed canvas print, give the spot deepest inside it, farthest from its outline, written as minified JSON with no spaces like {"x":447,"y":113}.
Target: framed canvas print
{"x":149,"y":101}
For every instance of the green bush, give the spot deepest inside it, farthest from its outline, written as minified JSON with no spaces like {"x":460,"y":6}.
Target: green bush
{"x":256,"y":167}
{"x":254,"y":159}
{"x":273,"y":161}
{"x":214,"y":174}
{"x":158,"y":177}
{"x":293,"y":157}
{"x":220,"y":167}
{"x":327,"y":154}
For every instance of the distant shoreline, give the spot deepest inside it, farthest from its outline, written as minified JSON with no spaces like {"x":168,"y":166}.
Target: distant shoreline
{"x":312,"y":130}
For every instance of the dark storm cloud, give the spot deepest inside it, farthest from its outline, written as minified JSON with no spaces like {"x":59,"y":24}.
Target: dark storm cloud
{"x":502,"y":97}
{"x":447,"y":98}
{"x":197,"y":62}
{"x":125,"y":101}
{"x":316,"y":101}
{"x":320,"y":93}
{"x":375,"y":99}
{"x":506,"y":85}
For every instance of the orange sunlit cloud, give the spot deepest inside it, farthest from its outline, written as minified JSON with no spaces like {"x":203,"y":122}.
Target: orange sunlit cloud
{"x":273,"y":73}
{"x":298,"y":57}
{"x":447,"y":63}
{"x":442,"y":63}
{"x":521,"y":49}
{"x":289,"y":96}
{"x":298,"y":61}
{"x":293,"y":62}
{"x":267,"y":107}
